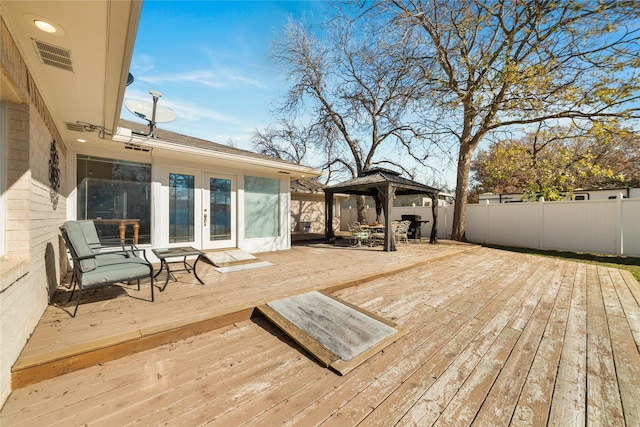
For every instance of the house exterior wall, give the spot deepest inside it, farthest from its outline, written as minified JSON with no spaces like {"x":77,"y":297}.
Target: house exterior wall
{"x":307,"y":209}
{"x":33,"y":260}
{"x":577,"y":195}
{"x":31,"y":267}
{"x":161,"y":166}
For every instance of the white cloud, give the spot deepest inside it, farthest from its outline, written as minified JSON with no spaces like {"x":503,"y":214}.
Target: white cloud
{"x":205,"y":78}
{"x":186,"y":110}
{"x":142,"y":64}
{"x":219,"y":78}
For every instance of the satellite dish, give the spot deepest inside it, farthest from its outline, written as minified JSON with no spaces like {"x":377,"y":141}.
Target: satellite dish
{"x":144,"y":110}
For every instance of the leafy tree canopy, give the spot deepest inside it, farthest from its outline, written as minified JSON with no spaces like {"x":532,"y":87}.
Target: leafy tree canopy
{"x":500,"y":66}
{"x":549,"y":162}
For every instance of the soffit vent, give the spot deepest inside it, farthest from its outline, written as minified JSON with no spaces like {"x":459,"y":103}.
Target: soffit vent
{"x":75,"y":127}
{"x":53,"y":55}
{"x":135,"y":147}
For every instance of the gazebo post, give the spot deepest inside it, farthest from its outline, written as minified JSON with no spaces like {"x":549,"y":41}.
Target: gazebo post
{"x":328,"y":220}
{"x":433,"y":238}
{"x":387,"y":203}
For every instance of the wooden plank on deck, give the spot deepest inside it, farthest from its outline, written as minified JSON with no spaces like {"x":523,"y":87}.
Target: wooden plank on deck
{"x":625,"y":351}
{"x":535,"y":399}
{"x":568,"y":406}
{"x":604,"y":406}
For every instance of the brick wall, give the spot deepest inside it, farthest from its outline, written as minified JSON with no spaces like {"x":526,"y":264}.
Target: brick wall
{"x":30,"y":268}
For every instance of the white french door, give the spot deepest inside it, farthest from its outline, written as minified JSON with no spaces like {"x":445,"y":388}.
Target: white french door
{"x":183,"y":213}
{"x":218,"y":211}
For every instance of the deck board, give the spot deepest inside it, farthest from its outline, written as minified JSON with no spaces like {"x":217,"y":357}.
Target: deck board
{"x":493,"y":337}
{"x":534,"y":402}
{"x":568,"y":406}
{"x":601,"y":376}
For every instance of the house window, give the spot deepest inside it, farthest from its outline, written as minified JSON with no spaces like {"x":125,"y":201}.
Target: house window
{"x":220,"y":205}
{"x":262,"y":207}
{"x":110,"y":189}
{"x":3,"y":177}
{"x":181,"y":208}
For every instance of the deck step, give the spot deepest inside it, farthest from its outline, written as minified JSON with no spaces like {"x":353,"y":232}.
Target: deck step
{"x":41,"y":366}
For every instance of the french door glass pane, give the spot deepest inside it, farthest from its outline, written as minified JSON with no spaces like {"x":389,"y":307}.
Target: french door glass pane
{"x":220,"y":208}
{"x":181,"y":208}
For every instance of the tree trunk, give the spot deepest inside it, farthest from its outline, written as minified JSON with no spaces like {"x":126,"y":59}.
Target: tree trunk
{"x":462,"y":184}
{"x":362,"y":215}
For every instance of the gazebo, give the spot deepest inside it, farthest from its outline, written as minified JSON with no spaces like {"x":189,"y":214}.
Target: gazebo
{"x":383,"y":185}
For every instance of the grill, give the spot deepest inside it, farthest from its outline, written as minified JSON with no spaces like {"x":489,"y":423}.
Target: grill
{"x":414,"y":229}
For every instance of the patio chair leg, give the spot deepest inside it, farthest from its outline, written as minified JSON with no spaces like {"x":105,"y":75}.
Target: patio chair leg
{"x":73,"y":289}
{"x":151,"y":276}
{"x":73,"y":279}
{"x":77,"y":303}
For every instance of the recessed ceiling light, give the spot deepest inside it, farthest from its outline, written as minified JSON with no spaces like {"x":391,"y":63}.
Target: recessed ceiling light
{"x":44,"y":24}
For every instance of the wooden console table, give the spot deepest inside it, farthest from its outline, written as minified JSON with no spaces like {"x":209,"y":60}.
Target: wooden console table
{"x":122,"y":226}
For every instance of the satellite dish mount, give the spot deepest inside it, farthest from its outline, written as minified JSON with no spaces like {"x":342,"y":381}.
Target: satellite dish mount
{"x":151,"y":112}
{"x":152,"y":123}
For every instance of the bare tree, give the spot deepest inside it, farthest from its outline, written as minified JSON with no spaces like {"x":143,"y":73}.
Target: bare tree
{"x":356,"y":92}
{"x":284,"y":141}
{"x":501,"y":65}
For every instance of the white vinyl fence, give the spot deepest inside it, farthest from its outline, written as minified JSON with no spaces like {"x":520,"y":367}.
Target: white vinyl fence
{"x":592,"y":226}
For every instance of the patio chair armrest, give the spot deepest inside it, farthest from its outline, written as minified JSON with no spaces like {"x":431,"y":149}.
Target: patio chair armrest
{"x":80,"y":258}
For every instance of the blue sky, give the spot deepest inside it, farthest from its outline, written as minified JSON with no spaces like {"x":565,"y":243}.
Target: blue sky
{"x":209,"y":59}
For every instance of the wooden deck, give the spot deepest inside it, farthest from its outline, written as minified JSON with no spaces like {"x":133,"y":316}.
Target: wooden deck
{"x":494,"y":338}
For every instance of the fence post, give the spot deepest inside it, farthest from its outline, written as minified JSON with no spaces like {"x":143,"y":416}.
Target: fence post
{"x":486,"y":222}
{"x":541,"y":222}
{"x":619,"y":226}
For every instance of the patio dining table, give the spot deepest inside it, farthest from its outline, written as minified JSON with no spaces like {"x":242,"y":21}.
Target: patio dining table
{"x":376,"y":233}
{"x":377,"y":228}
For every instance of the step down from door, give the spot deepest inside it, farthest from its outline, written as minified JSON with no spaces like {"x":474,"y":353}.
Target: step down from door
{"x":339,"y":335}
{"x":228,"y":260}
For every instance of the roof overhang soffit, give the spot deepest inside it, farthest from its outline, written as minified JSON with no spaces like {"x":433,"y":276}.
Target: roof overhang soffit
{"x":294,"y":171}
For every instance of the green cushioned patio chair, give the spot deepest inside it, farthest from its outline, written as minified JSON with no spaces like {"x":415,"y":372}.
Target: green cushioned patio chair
{"x":93,"y":270}
{"x":95,"y":243}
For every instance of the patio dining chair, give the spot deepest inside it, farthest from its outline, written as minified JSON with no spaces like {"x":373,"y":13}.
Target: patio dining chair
{"x":401,"y":233}
{"x":94,"y":270}
{"x":357,"y":234}
{"x":377,"y":236}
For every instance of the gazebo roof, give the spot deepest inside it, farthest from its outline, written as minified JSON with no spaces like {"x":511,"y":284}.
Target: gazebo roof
{"x":375,"y":178}
{"x":382,"y":185}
